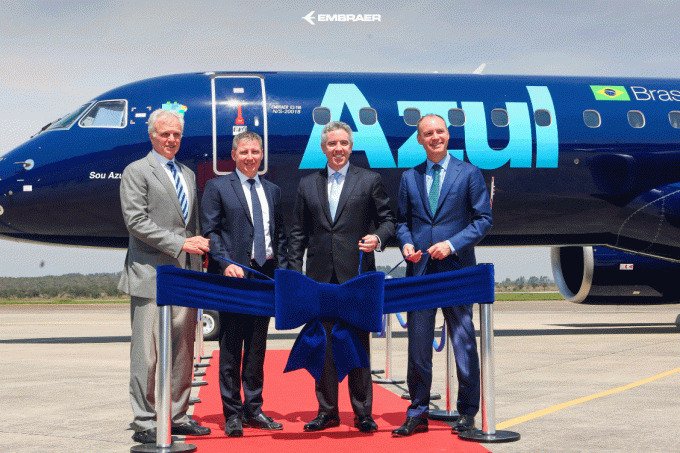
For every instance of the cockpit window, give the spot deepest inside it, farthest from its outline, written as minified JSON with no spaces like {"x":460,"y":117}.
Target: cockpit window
{"x":67,"y":120}
{"x":112,"y":114}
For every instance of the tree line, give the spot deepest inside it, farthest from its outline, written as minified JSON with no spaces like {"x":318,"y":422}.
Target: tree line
{"x":103,"y":286}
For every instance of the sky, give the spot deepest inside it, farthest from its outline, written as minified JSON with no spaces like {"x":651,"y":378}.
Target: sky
{"x":55,"y":55}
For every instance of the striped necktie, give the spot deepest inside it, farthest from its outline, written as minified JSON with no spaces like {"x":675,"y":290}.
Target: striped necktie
{"x":181,"y":196}
{"x":258,"y":226}
{"x":433,"y":196}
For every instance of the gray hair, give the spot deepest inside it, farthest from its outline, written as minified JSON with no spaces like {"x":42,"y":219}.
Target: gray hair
{"x":247,"y":135}
{"x":162,"y":113}
{"x":334,"y":126}
{"x":429,"y":115}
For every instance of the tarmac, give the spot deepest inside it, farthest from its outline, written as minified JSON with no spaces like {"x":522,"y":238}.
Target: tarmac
{"x":568,"y":378}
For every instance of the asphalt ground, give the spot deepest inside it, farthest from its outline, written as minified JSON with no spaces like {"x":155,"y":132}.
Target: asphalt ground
{"x":567,"y":377}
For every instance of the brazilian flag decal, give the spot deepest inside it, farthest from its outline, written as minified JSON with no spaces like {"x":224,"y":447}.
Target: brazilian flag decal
{"x":610,"y":92}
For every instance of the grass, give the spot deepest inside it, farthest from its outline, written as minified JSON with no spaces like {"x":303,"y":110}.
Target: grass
{"x":122,"y":300}
{"x":528,"y":296}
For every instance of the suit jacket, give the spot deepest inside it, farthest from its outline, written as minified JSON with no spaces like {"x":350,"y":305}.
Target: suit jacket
{"x":332,"y":245}
{"x":153,"y":217}
{"x":463,"y":214}
{"x":226,"y":220}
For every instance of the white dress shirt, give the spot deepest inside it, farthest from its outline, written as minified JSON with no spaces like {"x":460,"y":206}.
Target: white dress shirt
{"x":164,"y":163}
{"x":265,"y":211}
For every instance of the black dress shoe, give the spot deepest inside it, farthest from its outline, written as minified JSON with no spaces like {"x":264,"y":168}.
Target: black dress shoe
{"x":261,"y":421}
{"x":322,"y":421}
{"x":366,"y":424}
{"x":464,"y":423}
{"x":190,"y":428}
{"x":233,"y":427}
{"x":410,"y":426}
{"x":145,"y":437}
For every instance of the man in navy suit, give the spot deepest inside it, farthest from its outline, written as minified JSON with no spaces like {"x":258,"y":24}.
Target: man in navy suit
{"x":241,"y":215}
{"x":339,"y":211}
{"x":443,"y":208}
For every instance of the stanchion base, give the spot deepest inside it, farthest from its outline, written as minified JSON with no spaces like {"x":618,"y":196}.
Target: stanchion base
{"x":377,"y":371}
{"x":477,"y":435}
{"x":433,"y":396}
{"x":199,"y":383}
{"x":151,"y":448}
{"x":201,"y":365}
{"x":194,"y":400}
{"x":389,"y":381}
{"x":445,"y":416}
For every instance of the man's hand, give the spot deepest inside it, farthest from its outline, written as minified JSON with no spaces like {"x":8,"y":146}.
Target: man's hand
{"x":234,"y":271}
{"x":410,"y":253}
{"x":440,"y":250}
{"x":368,"y":243}
{"x":196,"y":245}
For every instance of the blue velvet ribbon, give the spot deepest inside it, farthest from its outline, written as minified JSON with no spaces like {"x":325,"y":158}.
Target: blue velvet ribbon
{"x":294,"y":300}
{"x":354,"y":305}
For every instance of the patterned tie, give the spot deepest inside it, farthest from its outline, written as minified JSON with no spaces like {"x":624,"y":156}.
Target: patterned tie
{"x":258,"y":225}
{"x":334,"y":197}
{"x":433,"y":196}
{"x":181,"y":196}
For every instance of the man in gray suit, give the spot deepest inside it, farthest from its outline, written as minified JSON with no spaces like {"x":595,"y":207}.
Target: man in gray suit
{"x":158,"y":199}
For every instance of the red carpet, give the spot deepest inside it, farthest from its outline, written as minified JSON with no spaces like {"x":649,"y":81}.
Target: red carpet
{"x":289,"y":398}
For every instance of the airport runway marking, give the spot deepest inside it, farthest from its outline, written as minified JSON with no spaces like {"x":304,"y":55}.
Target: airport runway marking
{"x":558,"y":407}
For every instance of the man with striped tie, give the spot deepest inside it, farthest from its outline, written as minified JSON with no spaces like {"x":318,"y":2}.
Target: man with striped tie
{"x":158,"y":200}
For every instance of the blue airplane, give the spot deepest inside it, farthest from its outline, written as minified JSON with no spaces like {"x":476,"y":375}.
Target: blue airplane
{"x":587,"y":166}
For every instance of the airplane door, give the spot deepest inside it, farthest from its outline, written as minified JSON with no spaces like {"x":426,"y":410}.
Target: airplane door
{"x":238,"y":104}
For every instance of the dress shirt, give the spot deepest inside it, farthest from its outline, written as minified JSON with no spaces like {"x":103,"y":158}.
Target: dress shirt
{"x":341,"y":183}
{"x":164,"y":163}
{"x":245,"y":185}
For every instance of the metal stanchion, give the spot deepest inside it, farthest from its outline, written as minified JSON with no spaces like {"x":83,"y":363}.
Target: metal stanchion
{"x":448,"y":414}
{"x":488,"y":432}
{"x":164,"y":443}
{"x":388,"y":355}
{"x":199,"y":343}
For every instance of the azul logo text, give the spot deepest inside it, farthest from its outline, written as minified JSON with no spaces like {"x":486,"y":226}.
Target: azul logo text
{"x":371,"y":139}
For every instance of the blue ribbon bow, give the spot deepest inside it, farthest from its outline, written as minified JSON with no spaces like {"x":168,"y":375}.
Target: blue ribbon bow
{"x":355,"y":305}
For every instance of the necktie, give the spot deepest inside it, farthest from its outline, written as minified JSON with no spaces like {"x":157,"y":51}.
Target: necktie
{"x":181,"y":196}
{"x":433,"y":196}
{"x":334,"y":197}
{"x":258,"y":225}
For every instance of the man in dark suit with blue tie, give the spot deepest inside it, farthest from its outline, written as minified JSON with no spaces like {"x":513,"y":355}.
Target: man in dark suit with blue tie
{"x":443,"y":208}
{"x":339,"y":211}
{"x":241,"y":215}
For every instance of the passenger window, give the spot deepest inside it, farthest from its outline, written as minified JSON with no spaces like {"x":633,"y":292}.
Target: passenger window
{"x":542,"y":118}
{"x":321,"y":115}
{"x":112,"y":114}
{"x":499,"y":117}
{"x":411,"y":116}
{"x":636,"y":119}
{"x":456,"y":117}
{"x":674,"y":119}
{"x":592,"y":118}
{"x":368,"y":116}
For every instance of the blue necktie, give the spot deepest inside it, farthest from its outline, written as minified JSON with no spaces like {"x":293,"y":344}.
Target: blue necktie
{"x":334,"y":197}
{"x":258,"y":225}
{"x":181,"y":196}
{"x":433,"y":196}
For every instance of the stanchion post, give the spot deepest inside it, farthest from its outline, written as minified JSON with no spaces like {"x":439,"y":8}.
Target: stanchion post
{"x":164,"y":442}
{"x":199,"y":343}
{"x":488,"y":433}
{"x":448,"y":414}
{"x":388,"y":355}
